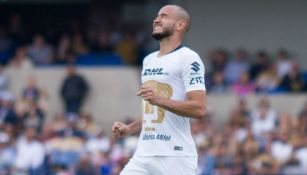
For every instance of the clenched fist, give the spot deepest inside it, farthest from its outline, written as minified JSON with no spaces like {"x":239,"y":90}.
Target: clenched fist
{"x":120,"y":130}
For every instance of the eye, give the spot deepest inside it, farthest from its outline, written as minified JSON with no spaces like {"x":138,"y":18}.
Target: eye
{"x":163,"y":15}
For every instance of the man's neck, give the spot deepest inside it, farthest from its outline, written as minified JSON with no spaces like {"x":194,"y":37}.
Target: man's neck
{"x":167,"y":45}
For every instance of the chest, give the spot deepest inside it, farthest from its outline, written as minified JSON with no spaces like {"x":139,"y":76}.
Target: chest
{"x":161,"y":69}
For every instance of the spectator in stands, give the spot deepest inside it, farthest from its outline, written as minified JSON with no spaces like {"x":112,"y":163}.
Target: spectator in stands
{"x":236,"y":119}
{"x":127,"y":48}
{"x":268,"y":80}
{"x":236,"y":67}
{"x":97,"y":144}
{"x":218,"y":84}
{"x":72,"y":129}
{"x":91,"y":34}
{"x":7,"y":112}
{"x":243,"y":108}
{"x":250,"y":148}
{"x":43,"y":100}
{"x":30,"y":153}
{"x":304,"y":110}
{"x":300,"y":153}
{"x":20,"y":59}
{"x":66,"y":147}
{"x":293,"y":81}
{"x":285,"y":122}
{"x":63,"y":50}
{"x":103,"y":42}
{"x":78,"y":45}
{"x":261,"y":64}
{"x":16,"y":29}
{"x":88,"y":124}
{"x":264,"y":163}
{"x":31,"y":91}
{"x":59,"y":123}
{"x":39,"y":51}
{"x":206,"y":159}
{"x":239,"y":164}
{"x":299,"y":141}
{"x":244,"y":86}
{"x":302,"y":121}
{"x":263,"y":119}
{"x":218,"y":59}
{"x":200,"y":132}
{"x":74,"y":90}
{"x":6,"y":46}
{"x":34,"y":117}
{"x":283,"y":63}
{"x":106,"y":165}
{"x":47,"y":133}
{"x":4,"y":80}
{"x":7,"y":153}
{"x":223,"y":160}
{"x":281,"y":148}
{"x":85,"y":167}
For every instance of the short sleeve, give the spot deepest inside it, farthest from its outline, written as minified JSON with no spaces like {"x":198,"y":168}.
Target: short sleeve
{"x":193,"y":73}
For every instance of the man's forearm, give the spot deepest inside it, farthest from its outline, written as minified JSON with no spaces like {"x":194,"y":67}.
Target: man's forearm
{"x":192,"y":109}
{"x":135,"y":126}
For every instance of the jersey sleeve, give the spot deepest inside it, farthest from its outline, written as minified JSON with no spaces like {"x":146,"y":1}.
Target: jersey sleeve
{"x":193,"y":73}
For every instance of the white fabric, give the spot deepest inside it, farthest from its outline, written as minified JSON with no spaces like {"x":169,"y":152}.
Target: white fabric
{"x":98,"y":144}
{"x":281,"y":151}
{"x":283,"y":67}
{"x":301,"y":155}
{"x":176,"y":73}
{"x":266,"y":124}
{"x":30,"y":154}
{"x":160,"y":165}
{"x":240,"y":134}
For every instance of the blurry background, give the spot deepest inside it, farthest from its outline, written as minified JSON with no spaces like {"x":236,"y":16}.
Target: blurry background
{"x":70,"y":68}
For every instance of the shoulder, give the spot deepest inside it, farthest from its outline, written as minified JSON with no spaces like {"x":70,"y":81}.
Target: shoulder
{"x":186,"y":51}
{"x":150,"y":56}
{"x":189,"y":56}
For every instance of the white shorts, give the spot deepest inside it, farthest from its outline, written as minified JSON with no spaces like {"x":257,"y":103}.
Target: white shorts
{"x":161,"y":165}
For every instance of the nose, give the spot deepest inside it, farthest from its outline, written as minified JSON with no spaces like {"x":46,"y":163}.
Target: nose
{"x":156,"y":20}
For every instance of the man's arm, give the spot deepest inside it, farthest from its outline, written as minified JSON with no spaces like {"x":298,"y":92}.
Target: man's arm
{"x":122,"y":130}
{"x":193,"y":106}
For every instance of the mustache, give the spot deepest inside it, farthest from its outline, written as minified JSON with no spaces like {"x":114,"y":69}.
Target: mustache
{"x":157,"y":24}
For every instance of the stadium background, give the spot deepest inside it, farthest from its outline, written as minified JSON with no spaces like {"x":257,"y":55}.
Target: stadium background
{"x":107,"y":41}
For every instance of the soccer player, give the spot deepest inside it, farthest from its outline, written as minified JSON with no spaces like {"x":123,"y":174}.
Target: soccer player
{"x":173,"y":91}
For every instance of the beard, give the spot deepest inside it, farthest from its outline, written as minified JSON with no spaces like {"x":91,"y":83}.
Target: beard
{"x":164,"y":34}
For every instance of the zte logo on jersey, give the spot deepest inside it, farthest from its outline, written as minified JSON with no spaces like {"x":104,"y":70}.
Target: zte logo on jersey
{"x":196,"y":80}
{"x":154,"y":71}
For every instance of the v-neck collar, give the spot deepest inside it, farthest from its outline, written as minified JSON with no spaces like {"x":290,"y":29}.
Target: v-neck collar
{"x":177,"y":48}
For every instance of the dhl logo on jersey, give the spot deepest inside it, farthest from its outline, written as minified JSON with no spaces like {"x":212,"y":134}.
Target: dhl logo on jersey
{"x":154,"y":71}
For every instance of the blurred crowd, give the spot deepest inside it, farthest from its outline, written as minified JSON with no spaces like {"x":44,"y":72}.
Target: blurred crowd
{"x":69,"y":143}
{"x":93,"y":44}
{"x":253,"y":141}
{"x":244,"y":74}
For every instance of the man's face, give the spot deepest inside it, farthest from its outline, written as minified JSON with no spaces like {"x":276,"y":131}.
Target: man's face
{"x":164,"y":24}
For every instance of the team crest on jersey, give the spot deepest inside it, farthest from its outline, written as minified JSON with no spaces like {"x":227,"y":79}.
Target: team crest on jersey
{"x":154,"y":71}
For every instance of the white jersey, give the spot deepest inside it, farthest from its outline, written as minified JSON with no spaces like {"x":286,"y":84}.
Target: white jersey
{"x":172,"y":76}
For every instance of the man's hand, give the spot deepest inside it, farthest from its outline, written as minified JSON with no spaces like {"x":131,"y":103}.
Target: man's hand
{"x":148,"y":94}
{"x":120,"y":130}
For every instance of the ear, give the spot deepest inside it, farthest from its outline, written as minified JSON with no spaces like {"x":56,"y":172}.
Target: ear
{"x":181,"y":24}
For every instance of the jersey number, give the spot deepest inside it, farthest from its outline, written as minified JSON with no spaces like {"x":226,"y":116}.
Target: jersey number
{"x":160,"y":89}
